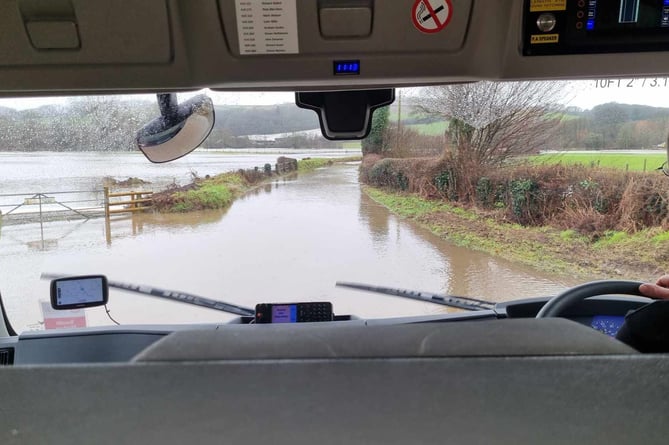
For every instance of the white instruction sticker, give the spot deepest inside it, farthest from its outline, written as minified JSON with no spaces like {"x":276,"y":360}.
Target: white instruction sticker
{"x":267,"y":26}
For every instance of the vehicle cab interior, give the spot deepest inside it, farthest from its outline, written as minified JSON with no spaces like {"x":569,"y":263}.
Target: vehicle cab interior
{"x":586,"y":365}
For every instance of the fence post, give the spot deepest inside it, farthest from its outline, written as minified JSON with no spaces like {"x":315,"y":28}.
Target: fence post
{"x":41,"y":222}
{"x":645,"y":161}
{"x":39,"y":196}
{"x":106,"y":190}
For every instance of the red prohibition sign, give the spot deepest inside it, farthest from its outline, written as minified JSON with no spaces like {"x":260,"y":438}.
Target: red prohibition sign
{"x":431,"y":16}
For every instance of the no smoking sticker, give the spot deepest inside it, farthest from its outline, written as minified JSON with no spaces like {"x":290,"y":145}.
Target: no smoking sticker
{"x":430,"y":16}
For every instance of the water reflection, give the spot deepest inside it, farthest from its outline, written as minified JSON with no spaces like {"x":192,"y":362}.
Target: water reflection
{"x":44,"y":242}
{"x":132,"y":225}
{"x":378,"y":220}
{"x":460,"y":271}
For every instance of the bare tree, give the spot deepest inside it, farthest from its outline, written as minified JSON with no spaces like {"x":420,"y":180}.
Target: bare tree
{"x":489,"y":122}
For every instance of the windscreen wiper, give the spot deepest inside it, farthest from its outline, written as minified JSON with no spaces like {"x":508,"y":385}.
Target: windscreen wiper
{"x":172,"y":295}
{"x":470,"y":304}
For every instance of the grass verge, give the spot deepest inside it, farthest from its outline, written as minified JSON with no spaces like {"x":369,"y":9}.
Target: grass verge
{"x":639,"y":256}
{"x":222,"y":190}
{"x":214,"y":193}
{"x":309,"y":164}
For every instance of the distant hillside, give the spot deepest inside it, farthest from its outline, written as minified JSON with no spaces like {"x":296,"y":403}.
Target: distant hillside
{"x":614,"y":126}
{"x":110,"y":124}
{"x":607,"y":126}
{"x":238,"y":120}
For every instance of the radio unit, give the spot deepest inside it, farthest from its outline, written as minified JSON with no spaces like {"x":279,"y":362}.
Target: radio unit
{"x":553,"y":27}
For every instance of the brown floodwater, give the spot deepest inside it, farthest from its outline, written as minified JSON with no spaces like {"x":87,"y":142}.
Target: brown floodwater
{"x":288,"y":241}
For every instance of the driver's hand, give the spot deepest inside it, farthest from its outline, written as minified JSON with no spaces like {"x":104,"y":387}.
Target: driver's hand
{"x":658,"y":290}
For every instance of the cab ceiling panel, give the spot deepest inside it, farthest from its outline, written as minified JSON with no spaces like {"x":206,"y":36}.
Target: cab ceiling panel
{"x":344,"y":27}
{"x":82,"y":46}
{"x":300,"y":44}
{"x":84,"y":32}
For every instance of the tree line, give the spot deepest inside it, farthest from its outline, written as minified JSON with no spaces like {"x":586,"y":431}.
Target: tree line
{"x":487,"y":120}
{"x":613,"y":126}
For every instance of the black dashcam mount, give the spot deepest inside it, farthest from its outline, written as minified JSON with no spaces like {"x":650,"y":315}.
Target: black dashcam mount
{"x":345,"y":115}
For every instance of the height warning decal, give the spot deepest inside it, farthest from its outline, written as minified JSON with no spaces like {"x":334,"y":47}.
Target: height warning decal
{"x":430,"y":16}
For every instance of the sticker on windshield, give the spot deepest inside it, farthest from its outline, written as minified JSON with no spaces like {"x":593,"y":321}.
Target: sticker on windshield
{"x":267,"y":27}
{"x":548,"y":5}
{"x":53,"y":319}
{"x":430,"y":16}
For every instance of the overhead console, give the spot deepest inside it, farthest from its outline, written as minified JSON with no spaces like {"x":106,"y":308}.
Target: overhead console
{"x":349,"y":27}
{"x":554,"y":27}
{"x":91,"y":32}
{"x":89,"y":46}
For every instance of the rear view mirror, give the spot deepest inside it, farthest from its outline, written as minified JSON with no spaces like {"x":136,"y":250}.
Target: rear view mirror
{"x":179,"y":130}
{"x":79,"y":292}
{"x":345,"y":114}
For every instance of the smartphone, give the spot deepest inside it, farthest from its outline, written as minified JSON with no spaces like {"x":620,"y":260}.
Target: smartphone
{"x":293,"y":312}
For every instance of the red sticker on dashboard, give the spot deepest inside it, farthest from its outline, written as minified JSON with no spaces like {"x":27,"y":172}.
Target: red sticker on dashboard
{"x":430,"y":16}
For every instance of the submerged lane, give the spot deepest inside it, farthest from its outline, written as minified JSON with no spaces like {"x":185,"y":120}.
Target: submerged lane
{"x":288,"y":241}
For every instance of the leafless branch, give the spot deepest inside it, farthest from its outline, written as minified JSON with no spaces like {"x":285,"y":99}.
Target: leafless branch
{"x":492,"y":121}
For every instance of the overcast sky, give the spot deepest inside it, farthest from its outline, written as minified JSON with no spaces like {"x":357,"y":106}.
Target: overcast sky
{"x":586,"y":94}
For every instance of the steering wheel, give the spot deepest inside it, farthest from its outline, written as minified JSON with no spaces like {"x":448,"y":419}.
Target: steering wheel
{"x":557,"y":305}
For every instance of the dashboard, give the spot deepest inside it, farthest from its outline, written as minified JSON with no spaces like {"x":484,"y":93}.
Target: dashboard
{"x":124,"y":343}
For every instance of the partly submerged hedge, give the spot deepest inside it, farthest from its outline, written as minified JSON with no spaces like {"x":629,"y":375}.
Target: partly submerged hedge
{"x":590,"y":200}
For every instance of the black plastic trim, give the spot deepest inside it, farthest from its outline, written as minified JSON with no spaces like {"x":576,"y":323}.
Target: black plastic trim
{"x":8,"y":325}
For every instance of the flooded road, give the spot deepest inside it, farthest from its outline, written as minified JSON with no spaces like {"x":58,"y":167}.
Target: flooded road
{"x":84,"y":173}
{"x":287,"y":241}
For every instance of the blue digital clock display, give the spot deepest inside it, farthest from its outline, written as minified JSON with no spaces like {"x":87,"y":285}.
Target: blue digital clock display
{"x":346,"y":67}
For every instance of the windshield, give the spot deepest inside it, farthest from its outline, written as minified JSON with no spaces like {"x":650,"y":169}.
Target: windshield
{"x":496,"y":191}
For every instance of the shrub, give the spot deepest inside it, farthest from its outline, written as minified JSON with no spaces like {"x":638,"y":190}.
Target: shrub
{"x":484,"y":192}
{"x":523,"y":200}
{"x":591,"y":201}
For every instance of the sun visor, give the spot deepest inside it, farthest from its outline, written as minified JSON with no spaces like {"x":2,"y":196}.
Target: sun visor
{"x":92,"y":32}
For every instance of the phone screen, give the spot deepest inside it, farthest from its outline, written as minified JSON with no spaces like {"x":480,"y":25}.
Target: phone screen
{"x":284,"y":313}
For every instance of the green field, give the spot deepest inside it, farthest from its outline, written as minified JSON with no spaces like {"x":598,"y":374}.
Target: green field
{"x":350,"y":145}
{"x":433,"y":129}
{"x":624,"y":161}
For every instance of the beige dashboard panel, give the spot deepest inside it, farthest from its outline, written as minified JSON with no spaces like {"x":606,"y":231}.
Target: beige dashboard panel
{"x":93,"y":32}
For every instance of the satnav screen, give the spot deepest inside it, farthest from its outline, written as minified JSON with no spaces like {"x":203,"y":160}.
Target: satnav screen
{"x":87,"y":290}
{"x":627,"y":14}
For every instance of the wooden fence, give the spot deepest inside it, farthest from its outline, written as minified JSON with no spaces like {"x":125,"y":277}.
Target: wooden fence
{"x":137,"y":201}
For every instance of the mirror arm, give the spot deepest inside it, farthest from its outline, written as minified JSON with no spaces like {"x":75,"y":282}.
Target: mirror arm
{"x":167,"y":102}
